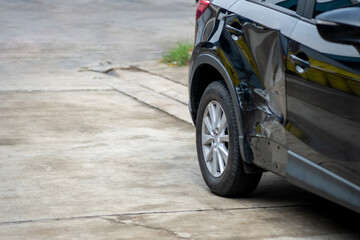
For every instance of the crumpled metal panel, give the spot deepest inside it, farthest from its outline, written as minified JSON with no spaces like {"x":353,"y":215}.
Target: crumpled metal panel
{"x":225,"y":4}
{"x":266,"y":104}
{"x":255,"y":57}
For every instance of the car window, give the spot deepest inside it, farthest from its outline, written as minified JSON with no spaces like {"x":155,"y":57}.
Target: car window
{"x":328,"y":5}
{"x":288,"y":4}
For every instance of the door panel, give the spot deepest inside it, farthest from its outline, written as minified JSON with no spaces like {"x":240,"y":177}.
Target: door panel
{"x":323,"y":102}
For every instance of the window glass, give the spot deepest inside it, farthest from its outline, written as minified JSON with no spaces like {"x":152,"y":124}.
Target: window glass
{"x":288,"y":4}
{"x":291,"y":4}
{"x":327,"y":5}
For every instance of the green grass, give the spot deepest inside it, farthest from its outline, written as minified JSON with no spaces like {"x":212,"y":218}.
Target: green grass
{"x":179,"y":55}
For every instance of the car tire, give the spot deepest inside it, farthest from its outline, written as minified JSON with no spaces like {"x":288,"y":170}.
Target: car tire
{"x":217,"y":141}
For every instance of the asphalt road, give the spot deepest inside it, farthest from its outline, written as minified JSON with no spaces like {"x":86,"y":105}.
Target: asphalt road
{"x":85,"y":155}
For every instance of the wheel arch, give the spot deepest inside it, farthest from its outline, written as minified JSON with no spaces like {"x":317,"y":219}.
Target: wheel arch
{"x":205,"y":70}
{"x":215,"y":70}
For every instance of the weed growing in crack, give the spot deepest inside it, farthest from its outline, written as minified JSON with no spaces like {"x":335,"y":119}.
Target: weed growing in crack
{"x":179,"y":55}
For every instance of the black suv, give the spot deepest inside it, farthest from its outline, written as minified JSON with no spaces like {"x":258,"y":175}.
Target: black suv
{"x":274,"y":86}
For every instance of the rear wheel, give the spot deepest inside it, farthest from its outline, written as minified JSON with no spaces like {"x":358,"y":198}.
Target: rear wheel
{"x":217,"y":140}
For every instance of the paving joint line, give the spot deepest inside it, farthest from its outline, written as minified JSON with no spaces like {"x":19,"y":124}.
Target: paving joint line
{"x":165,"y":95}
{"x":136,"y":68}
{"x":60,"y":90}
{"x":149,"y":105}
{"x":149,"y":213}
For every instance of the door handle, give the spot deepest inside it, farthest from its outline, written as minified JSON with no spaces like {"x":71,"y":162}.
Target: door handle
{"x":299,"y":61}
{"x":301,"y":65}
{"x":235,"y":31}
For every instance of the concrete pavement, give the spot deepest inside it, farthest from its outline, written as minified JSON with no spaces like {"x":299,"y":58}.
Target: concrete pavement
{"x":92,"y":159}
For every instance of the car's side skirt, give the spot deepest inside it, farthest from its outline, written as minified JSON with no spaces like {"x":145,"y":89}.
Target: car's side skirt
{"x":314,"y":178}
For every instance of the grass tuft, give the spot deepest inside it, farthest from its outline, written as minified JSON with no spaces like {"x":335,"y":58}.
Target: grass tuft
{"x":179,"y":55}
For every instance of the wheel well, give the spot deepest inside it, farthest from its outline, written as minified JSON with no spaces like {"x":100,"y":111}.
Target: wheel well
{"x":203,"y":76}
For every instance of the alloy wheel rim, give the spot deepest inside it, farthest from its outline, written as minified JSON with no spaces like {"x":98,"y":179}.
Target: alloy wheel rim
{"x":215,"y":138}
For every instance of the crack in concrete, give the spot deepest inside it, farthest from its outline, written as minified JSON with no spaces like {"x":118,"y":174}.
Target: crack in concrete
{"x":138,"y":69}
{"x":134,"y":224}
{"x":149,"y":105}
{"x":151,"y":213}
{"x":165,"y":95}
{"x":131,"y":68}
{"x":111,"y":71}
{"x":60,"y":90}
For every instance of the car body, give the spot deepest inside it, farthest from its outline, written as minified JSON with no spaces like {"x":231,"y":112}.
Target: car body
{"x":275,"y":86}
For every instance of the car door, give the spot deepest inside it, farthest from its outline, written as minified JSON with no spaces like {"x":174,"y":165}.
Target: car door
{"x":323,"y":100}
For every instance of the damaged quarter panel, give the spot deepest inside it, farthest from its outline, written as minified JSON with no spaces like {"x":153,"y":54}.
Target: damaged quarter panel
{"x":251,"y":58}
{"x":256,"y":47}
